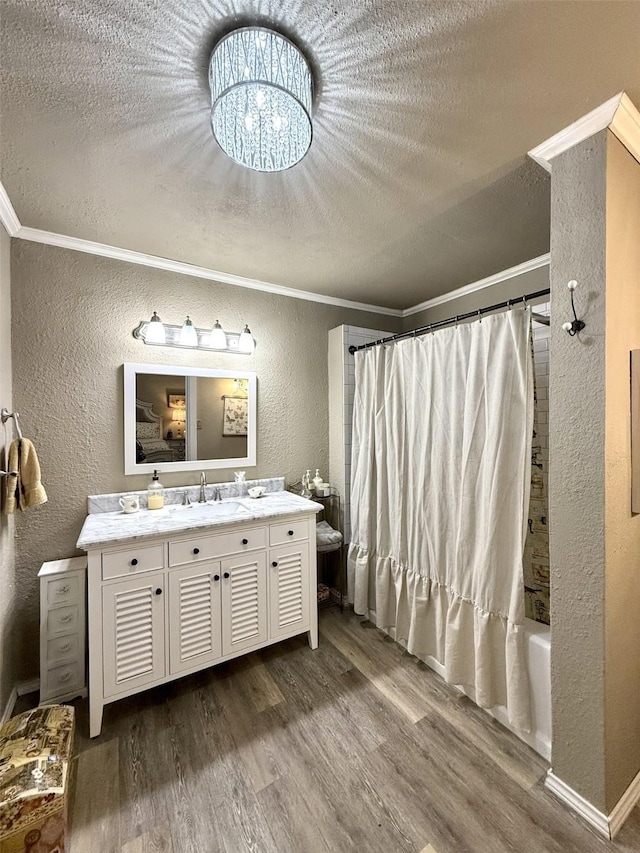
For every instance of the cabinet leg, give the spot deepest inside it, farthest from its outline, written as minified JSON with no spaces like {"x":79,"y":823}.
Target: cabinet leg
{"x":313,"y":638}
{"x":95,"y":717}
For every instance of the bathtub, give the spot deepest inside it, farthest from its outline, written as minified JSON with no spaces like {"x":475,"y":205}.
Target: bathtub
{"x":538,"y":652}
{"x":538,"y":643}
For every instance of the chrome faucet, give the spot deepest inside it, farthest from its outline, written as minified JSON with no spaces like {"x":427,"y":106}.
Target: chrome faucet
{"x":185,"y":498}
{"x":203,"y":494}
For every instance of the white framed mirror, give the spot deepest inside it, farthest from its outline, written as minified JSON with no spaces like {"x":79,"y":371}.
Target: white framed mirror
{"x":186,"y":419}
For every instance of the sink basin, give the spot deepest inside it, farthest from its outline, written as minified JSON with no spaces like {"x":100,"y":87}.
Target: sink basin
{"x":219,"y":509}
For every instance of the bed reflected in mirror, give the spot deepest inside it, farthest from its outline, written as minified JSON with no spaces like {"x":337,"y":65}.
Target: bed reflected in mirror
{"x":188,"y":418}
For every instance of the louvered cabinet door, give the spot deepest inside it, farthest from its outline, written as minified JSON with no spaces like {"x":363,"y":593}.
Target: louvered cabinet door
{"x":133,"y":633}
{"x":289,"y":590}
{"x":195,"y":633}
{"x":244,"y":602}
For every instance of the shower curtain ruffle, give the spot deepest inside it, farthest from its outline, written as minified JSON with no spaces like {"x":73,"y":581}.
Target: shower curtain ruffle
{"x":480,"y":650}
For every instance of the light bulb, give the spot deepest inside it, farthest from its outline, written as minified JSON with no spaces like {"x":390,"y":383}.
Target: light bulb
{"x":572,"y":284}
{"x":248,"y":122}
{"x":567,"y":326}
{"x":155,"y":331}
{"x":188,"y":334}
{"x":246,"y":342}
{"x":218,"y":338}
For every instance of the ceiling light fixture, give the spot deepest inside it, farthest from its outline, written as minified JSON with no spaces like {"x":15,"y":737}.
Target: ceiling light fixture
{"x":261,"y":95}
{"x":155,"y":332}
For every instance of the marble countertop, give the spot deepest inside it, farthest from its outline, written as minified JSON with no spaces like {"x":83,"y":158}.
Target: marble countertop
{"x":113,"y":528}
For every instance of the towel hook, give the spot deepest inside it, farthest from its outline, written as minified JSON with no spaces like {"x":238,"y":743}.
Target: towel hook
{"x":575,"y":325}
{"x":5,"y":414}
{"x":479,"y":315}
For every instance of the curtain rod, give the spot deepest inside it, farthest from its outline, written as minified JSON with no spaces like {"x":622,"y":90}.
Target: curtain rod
{"x":413,"y":333}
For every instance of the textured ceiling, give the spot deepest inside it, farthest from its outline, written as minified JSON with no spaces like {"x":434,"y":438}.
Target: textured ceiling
{"x":417,"y":180}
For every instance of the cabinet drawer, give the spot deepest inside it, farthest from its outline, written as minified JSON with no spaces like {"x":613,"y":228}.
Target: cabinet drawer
{"x":63,"y":649}
{"x":120,"y":564}
{"x":220,"y":545}
{"x":288,"y":532}
{"x":63,"y":620}
{"x":64,"y":590}
{"x":62,"y":679}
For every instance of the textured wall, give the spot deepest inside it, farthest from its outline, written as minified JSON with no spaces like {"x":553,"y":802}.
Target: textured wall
{"x":622,"y":542}
{"x":576,"y":477}
{"x":73,"y":315}
{"x":7,"y":587}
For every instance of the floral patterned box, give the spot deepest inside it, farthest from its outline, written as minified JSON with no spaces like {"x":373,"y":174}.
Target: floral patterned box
{"x":35,"y":748}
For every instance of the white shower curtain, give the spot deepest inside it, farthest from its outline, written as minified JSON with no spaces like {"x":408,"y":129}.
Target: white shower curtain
{"x":439,"y":495}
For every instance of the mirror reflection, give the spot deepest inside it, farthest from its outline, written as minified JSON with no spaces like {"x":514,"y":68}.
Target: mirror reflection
{"x":174,"y":417}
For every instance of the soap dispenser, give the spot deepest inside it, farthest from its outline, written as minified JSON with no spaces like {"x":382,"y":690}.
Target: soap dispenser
{"x":317,"y":480}
{"x":155,"y":493}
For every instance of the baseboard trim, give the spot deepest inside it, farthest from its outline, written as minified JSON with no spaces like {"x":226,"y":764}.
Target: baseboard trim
{"x":19,"y":689}
{"x":624,"y":806}
{"x":577,"y":803}
{"x":607,"y":825}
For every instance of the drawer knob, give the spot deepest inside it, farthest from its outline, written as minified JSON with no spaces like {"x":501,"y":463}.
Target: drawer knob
{"x":226,"y":575}
{"x":65,"y":676}
{"x":134,"y":562}
{"x":245,"y":541}
{"x":274,"y":564}
{"x":291,"y":533}
{"x":158,"y":591}
{"x":196,"y":550}
{"x":63,"y":590}
{"x":216,"y":577}
{"x":65,"y":647}
{"x":66,"y":618}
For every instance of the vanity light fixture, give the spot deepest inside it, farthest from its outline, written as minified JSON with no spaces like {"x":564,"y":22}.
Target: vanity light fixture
{"x":246,"y":342}
{"x":155,"y":330}
{"x":187,"y":336}
{"x":218,"y":338}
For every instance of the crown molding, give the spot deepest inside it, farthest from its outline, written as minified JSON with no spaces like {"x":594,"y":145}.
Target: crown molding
{"x":619,"y":114}
{"x":8,"y":216}
{"x":625,"y":125}
{"x":90,"y":247}
{"x":465,"y":290}
{"x":582,"y":129}
{"x":77,"y":244}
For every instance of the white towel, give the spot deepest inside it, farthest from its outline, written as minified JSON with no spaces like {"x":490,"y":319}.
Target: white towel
{"x":326,"y":535}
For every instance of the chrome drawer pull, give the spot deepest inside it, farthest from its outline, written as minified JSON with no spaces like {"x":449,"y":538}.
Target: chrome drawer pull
{"x":66,"y":618}
{"x":63,"y":590}
{"x":65,"y":647}
{"x":65,"y":676}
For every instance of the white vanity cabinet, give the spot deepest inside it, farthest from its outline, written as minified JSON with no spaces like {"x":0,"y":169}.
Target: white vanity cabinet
{"x":174,"y":604}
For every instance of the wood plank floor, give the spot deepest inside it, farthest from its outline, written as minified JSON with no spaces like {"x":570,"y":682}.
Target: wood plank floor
{"x":354,"y":746}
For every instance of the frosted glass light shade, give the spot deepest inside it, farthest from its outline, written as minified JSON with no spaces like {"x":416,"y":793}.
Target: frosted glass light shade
{"x":188,"y":334}
{"x":155,"y":333}
{"x":261,"y":96}
{"x":246,"y":342}
{"x":218,"y":338}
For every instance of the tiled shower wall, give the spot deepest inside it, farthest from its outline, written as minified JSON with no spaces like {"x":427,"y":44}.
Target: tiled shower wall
{"x":536,"y":556}
{"x":341,"y":394}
